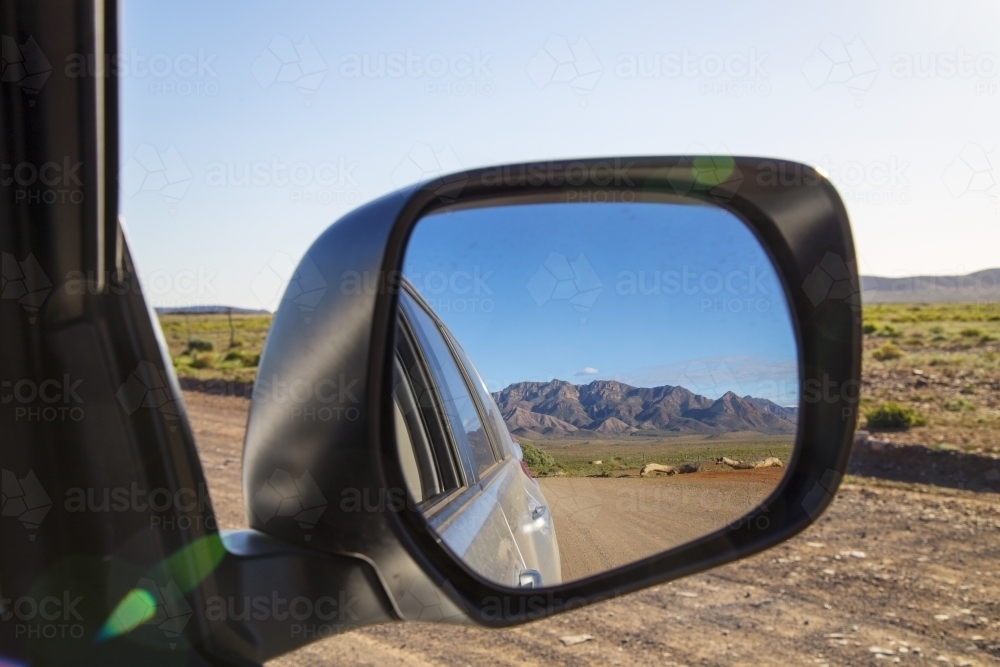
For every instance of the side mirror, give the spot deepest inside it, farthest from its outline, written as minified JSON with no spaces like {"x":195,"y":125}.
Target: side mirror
{"x":660,"y":376}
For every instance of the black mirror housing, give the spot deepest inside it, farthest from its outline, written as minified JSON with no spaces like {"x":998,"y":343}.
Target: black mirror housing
{"x":320,"y":468}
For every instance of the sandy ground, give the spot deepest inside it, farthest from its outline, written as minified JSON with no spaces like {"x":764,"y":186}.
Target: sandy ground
{"x":606,"y":522}
{"x":893,"y":572}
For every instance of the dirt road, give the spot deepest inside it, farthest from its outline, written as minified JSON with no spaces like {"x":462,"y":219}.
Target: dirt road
{"x":606,"y":522}
{"x":891,"y":573}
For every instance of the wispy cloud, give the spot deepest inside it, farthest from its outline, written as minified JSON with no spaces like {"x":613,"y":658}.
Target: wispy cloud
{"x":588,"y":370}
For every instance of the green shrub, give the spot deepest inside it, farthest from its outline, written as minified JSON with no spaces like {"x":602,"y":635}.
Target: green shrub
{"x":869,"y":327}
{"x":236,"y":342}
{"x":887,"y":352}
{"x":937,"y":329}
{"x":538,"y":462}
{"x":200,"y":345}
{"x":893,"y":415}
{"x":889,"y":331}
{"x":971,"y":332}
{"x":958,"y":404}
{"x":245,"y":358}
{"x":203,"y":360}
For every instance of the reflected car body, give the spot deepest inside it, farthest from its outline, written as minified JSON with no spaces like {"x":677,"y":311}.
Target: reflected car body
{"x":460,"y":463}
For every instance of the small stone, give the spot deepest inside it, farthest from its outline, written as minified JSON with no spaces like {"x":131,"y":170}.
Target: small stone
{"x":815,"y":545}
{"x":571,"y":640}
{"x":878,"y":650}
{"x":941,"y":617}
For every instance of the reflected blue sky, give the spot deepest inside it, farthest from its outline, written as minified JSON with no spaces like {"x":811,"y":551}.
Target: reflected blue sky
{"x":647,"y":294}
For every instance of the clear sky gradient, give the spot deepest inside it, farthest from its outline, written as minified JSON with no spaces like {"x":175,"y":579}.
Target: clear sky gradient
{"x":647,"y":294}
{"x":248,"y":127}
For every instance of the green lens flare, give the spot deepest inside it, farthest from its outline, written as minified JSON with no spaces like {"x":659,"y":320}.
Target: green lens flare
{"x":187,"y":568}
{"x":713,"y":170}
{"x":137,"y":607}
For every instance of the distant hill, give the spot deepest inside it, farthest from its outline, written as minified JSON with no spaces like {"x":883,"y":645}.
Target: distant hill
{"x":208,"y":310}
{"x":559,"y":409}
{"x":978,"y":286}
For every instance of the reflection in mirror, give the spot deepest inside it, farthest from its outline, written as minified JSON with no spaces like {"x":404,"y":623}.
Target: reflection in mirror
{"x":579,"y":386}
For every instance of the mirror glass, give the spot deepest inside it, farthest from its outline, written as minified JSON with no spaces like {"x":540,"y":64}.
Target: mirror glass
{"x":579,"y":386}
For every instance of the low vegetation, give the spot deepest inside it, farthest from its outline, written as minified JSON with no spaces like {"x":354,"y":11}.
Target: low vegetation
{"x":940,"y":361}
{"x":891,"y":415}
{"x":539,"y":463}
{"x":947,"y":373}
{"x":627,"y":455}
{"x":205,"y":347}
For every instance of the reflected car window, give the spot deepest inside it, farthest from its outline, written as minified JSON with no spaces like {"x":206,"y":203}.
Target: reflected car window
{"x":485,"y":399}
{"x":463,"y":416}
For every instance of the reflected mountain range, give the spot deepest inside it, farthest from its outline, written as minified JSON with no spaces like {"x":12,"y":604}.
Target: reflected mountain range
{"x":606,"y":408}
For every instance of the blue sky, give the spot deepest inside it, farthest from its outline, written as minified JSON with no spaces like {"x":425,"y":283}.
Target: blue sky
{"x":248,"y":127}
{"x":647,"y":294}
